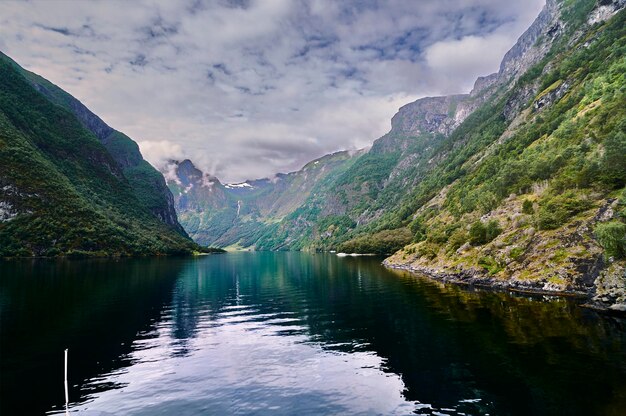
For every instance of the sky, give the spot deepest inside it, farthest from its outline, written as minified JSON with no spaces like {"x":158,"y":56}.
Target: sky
{"x":249,"y":88}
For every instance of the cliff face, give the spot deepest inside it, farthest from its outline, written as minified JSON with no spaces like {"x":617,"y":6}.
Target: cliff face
{"x":527,"y":51}
{"x":443,"y":114}
{"x":428,"y":115}
{"x":147,"y":183}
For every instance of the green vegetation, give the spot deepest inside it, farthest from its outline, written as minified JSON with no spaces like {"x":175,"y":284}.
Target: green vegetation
{"x":67,"y":192}
{"x":527,"y":207}
{"x":556,"y":210}
{"x":612,"y":237}
{"x":563,"y":159}
{"x":384,"y":242}
{"x":541,"y":173}
{"x":481,"y":233}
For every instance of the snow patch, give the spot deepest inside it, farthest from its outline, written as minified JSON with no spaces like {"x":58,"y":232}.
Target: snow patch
{"x":238,"y":185}
{"x":187,"y":189}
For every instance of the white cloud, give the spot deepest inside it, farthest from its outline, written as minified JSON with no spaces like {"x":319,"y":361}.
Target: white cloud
{"x":452,"y":61}
{"x":249,"y":88}
{"x":159,"y":153}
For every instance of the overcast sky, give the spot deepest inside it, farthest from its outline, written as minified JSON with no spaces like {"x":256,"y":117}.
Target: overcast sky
{"x":248,"y":88}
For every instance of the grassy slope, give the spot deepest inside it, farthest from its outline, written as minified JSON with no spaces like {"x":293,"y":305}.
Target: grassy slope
{"x":71,"y":195}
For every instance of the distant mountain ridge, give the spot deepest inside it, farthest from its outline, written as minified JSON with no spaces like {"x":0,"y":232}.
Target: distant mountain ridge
{"x":237,"y":214}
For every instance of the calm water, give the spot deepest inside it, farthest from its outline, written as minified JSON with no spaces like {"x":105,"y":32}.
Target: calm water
{"x":291,"y":333}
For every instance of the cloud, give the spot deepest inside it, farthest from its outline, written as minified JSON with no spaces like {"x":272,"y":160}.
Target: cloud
{"x":249,"y":88}
{"x":452,"y":60}
{"x":160,"y":152}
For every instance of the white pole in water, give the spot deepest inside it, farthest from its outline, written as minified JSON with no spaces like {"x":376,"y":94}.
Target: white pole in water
{"x":66,"y":394}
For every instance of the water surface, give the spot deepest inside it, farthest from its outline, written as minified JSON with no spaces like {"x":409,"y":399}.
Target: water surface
{"x":293,"y":333}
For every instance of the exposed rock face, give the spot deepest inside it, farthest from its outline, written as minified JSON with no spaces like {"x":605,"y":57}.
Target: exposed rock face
{"x":526,"y":52}
{"x":443,"y":114}
{"x":483,"y":83}
{"x":606,"y":10}
{"x":551,"y":96}
{"x":611,"y":287}
{"x":428,"y":115}
{"x":195,"y":190}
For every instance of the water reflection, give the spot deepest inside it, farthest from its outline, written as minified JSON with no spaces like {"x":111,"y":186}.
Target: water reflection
{"x":289,"y":332}
{"x":96,"y":308}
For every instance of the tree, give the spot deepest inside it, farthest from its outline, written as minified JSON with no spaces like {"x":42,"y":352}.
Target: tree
{"x":614,"y":160}
{"x":612,"y":237}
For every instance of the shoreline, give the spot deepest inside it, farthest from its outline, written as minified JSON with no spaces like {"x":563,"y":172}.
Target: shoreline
{"x":467,"y":279}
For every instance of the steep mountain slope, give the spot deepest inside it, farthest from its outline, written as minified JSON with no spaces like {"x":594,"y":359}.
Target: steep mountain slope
{"x":535,"y":196}
{"x":371,"y":192}
{"x":237,"y":214}
{"x":62,"y":191}
{"x":147,"y":183}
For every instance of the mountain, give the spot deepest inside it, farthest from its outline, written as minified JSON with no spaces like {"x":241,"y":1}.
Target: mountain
{"x":238,"y":214}
{"x":70,"y":184}
{"x":519,"y":183}
{"x":147,"y":183}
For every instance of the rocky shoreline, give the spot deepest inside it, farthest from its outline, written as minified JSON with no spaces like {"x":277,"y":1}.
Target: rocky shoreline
{"x":607,"y":295}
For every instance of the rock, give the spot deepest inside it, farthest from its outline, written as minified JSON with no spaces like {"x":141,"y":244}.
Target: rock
{"x":618,"y":307}
{"x":611,"y":284}
{"x":429,"y":115}
{"x":463,"y":248}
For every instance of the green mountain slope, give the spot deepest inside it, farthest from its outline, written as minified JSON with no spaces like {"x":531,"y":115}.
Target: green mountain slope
{"x":536,"y":200}
{"x":439,"y":142}
{"x":62,"y":191}
{"x":147,"y":183}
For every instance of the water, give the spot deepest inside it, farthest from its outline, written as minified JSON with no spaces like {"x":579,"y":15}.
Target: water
{"x":292,"y":333}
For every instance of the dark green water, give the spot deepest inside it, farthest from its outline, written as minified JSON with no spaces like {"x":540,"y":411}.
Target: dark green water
{"x":292,"y":333}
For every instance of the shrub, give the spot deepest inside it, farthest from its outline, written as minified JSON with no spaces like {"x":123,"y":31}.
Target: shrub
{"x":382,"y":242}
{"x":457,"y":239}
{"x":481,"y":233}
{"x":417,"y":228}
{"x":527,"y":207}
{"x":614,"y":160}
{"x":490,"y":264}
{"x":555,"y":211}
{"x":612,"y":237}
{"x":428,"y":250}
